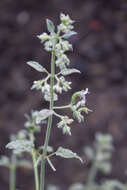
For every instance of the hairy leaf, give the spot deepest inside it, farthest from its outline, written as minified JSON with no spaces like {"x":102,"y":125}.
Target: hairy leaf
{"x":43,"y":114}
{"x":69,"y":71}
{"x":20,"y":146}
{"x":69,"y":34}
{"x":50,"y":26}
{"x":36,"y":66}
{"x":66,"y":153}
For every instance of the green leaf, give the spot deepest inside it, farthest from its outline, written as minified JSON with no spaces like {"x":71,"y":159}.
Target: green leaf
{"x":66,"y":153}
{"x":51,"y":165}
{"x":69,"y":71}
{"x":69,"y":34}
{"x":36,"y":66}
{"x":50,"y":26}
{"x":20,"y":146}
{"x":43,"y":114}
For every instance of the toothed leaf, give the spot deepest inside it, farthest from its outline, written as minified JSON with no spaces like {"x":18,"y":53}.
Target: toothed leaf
{"x":66,"y":153}
{"x":20,"y":146}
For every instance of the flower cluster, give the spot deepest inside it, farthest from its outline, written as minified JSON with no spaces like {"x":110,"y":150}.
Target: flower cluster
{"x":79,"y":106}
{"x":66,"y":24}
{"x":58,"y":41}
{"x":65,"y":121}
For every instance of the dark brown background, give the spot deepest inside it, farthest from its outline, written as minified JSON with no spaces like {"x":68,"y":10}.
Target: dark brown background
{"x":100,"y":53}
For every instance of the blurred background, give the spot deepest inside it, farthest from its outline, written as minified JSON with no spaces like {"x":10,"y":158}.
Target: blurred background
{"x":100,"y":53}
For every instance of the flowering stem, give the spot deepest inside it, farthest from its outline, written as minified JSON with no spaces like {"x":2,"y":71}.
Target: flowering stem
{"x":42,"y":174}
{"x":35,"y":170}
{"x":34,"y":161}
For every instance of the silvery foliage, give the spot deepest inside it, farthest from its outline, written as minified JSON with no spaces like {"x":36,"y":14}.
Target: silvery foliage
{"x":20,"y":146}
{"x":66,"y":153}
{"x":20,"y":143}
{"x":55,"y":40}
{"x":100,"y":157}
{"x":17,"y":150}
{"x":102,"y":152}
{"x":58,"y":37}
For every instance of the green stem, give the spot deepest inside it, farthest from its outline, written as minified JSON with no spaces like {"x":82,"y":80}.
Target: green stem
{"x":58,"y":115}
{"x":34,"y":161}
{"x":42,"y":174}
{"x":35,"y":170}
{"x":52,"y":154}
{"x":62,"y":107}
{"x":12,"y":184}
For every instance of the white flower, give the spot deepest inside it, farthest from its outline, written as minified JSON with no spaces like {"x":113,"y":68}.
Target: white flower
{"x":48,"y":46}
{"x":58,"y":88}
{"x":66,"y":130}
{"x":83,"y":96}
{"x":65,"y":28}
{"x":66,"y":23}
{"x":66,"y":46}
{"x":44,"y":37}
{"x":63,"y":59}
{"x":65,"y":19}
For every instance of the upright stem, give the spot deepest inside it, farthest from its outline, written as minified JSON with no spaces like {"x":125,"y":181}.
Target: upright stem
{"x":35,"y":171}
{"x":34,"y":161}
{"x":48,"y":132}
{"x":12,"y":180}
